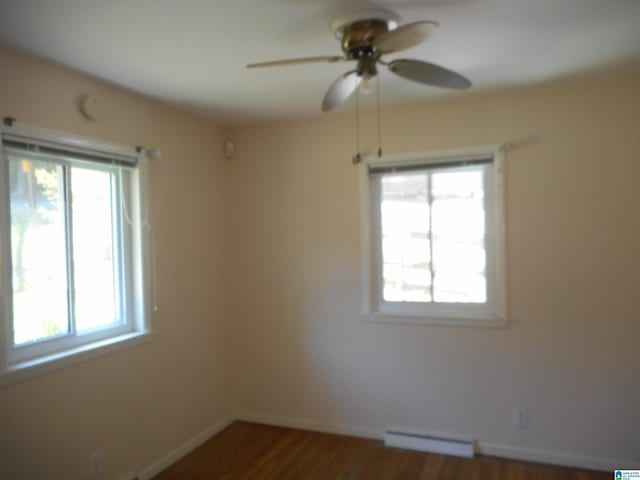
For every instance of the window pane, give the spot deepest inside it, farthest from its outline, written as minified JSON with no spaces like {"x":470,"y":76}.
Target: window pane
{"x":95,"y":263}
{"x":405,"y":238}
{"x":38,"y":249}
{"x":459,"y":257}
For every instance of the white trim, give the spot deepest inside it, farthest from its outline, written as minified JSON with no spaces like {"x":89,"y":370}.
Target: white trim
{"x":482,"y":448}
{"x":500,"y":231}
{"x":495,"y":322}
{"x":20,"y":372}
{"x":187,"y":447}
{"x":549,"y":457}
{"x":366,"y":261}
{"x":491,"y":314}
{"x":407,"y":158}
{"x":6,"y":330}
{"x":19,"y":363}
{"x":68,"y":140}
{"x":311,"y":425}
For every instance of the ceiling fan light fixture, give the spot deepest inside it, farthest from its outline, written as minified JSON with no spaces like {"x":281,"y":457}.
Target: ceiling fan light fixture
{"x":366,"y":86}
{"x":367,"y":71}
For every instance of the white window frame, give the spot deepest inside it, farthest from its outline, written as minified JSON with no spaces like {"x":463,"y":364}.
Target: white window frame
{"x":493,"y":313}
{"x":20,"y":362}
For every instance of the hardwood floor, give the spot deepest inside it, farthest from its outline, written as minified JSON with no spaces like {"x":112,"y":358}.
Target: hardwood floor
{"x":251,"y":451}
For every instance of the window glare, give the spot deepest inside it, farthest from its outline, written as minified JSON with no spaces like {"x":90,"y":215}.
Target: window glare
{"x":459,"y":258}
{"x":439,"y":213}
{"x":405,"y":238}
{"x":94,"y":265}
{"x":38,"y":233}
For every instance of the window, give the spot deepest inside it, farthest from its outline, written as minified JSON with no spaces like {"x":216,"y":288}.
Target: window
{"x":72,"y":213}
{"x":433,"y":249}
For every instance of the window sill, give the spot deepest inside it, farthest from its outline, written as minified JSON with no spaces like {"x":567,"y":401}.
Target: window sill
{"x":22,"y":371}
{"x":397,"y":319}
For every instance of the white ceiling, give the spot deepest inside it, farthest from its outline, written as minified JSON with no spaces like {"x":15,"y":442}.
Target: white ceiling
{"x":193,"y":52}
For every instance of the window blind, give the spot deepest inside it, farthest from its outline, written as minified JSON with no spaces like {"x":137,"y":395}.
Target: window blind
{"x":415,"y":167}
{"x":19,"y":144}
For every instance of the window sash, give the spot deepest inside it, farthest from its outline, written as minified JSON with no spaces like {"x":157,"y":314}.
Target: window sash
{"x":121,"y":232}
{"x":133,"y":164}
{"x":490,"y":314}
{"x":442,"y":308}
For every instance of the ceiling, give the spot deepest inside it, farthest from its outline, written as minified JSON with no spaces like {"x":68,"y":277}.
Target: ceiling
{"x":193,"y":52}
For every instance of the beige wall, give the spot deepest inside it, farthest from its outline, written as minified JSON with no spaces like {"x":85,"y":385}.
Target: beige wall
{"x":570,"y":354}
{"x":263,"y":250}
{"x":136,"y":405}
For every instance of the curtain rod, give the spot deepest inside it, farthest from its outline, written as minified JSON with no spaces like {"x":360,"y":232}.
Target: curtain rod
{"x":149,"y":152}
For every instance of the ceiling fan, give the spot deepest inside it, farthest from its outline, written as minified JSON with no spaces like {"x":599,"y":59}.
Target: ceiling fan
{"x":365,"y":38}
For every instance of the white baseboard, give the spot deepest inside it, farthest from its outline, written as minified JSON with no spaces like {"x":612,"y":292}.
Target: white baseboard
{"x":313,"y":425}
{"x":516,"y":453}
{"x":563,"y":459}
{"x":187,"y":447}
{"x":505,"y":451}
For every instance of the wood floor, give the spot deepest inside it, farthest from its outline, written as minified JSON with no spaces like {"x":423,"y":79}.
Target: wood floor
{"x":251,"y":451}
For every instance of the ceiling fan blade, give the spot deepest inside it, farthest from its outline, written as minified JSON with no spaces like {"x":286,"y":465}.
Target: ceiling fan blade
{"x":297,"y":61}
{"x":429,"y":74}
{"x":404,"y":37}
{"x":340,"y":90}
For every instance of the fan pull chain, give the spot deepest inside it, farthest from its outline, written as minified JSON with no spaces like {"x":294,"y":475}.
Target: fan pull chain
{"x":357,"y":157}
{"x":378,"y":115}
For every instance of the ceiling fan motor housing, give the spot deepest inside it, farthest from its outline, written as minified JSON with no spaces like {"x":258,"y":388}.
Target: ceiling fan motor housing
{"x":358,"y":38}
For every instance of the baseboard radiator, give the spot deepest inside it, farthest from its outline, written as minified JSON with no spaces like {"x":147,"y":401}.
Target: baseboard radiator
{"x":423,"y":441}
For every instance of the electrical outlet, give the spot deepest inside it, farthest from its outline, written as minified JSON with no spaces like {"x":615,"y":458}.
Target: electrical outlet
{"x":520,"y":417}
{"x":96,"y":464}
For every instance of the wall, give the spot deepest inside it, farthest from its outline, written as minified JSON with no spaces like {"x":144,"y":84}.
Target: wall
{"x":135,"y":405}
{"x":570,"y":354}
{"x":270,"y":242}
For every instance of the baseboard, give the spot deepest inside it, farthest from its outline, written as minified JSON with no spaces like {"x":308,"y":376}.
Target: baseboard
{"x":312,"y":425}
{"x":562,"y":459}
{"x":187,"y":447}
{"x":516,"y":453}
{"x":505,"y":451}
